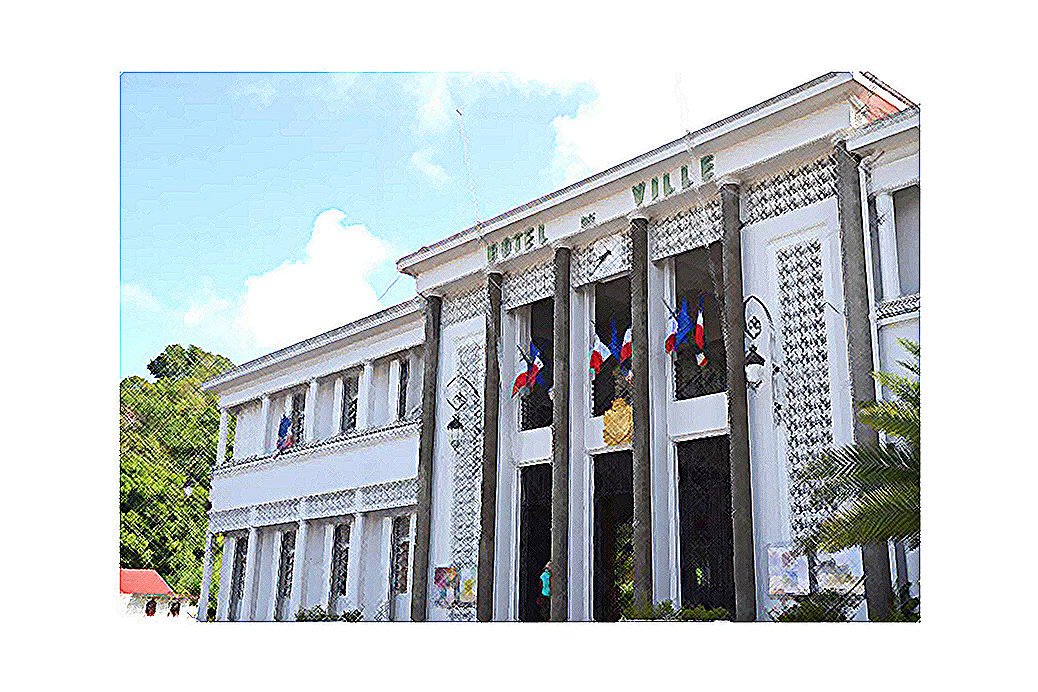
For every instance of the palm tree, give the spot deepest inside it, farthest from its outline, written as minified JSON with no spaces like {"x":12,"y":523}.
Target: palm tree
{"x":873,"y":491}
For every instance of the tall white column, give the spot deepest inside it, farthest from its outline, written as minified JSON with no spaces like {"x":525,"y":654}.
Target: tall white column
{"x":207,"y":575}
{"x":248,"y":598}
{"x":326,"y":564}
{"x":310,"y":413}
{"x":364,"y":395}
{"x":888,"y":246}
{"x":221,"y":439}
{"x":273,"y":571}
{"x":298,"y":567}
{"x":337,"y":395}
{"x":265,"y":445}
{"x":223,"y":595}
{"x":354,"y":562}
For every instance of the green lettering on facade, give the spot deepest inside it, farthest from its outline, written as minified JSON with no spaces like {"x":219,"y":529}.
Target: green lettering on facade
{"x":655,"y":188}
{"x":506,"y":246}
{"x":529,"y":238}
{"x":491,"y":253}
{"x":517,"y":241}
{"x":639,"y":194}
{"x":667,"y":189}
{"x":685,"y":180}
{"x":540,"y":234}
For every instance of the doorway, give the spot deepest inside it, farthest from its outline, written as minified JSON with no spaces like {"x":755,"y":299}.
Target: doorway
{"x":613,"y":536}
{"x":705,"y":513}
{"x":534,"y":538}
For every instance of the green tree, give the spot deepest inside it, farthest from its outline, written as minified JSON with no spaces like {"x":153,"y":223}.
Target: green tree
{"x":874,"y":490}
{"x":167,"y":440}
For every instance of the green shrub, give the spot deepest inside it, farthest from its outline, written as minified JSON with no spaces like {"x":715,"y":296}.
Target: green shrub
{"x":318,"y":614}
{"x":817,"y":607}
{"x":665,"y":611}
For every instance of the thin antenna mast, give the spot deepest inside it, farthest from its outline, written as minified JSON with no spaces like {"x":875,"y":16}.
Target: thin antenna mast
{"x":468,"y":165}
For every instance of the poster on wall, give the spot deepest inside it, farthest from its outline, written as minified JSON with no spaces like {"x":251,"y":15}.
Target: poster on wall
{"x":840,"y":572}
{"x":467,"y":585}
{"x":787,"y":571}
{"x":445,"y":587}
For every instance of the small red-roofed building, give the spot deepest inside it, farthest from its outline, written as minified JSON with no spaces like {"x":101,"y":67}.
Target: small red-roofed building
{"x":145,"y":593}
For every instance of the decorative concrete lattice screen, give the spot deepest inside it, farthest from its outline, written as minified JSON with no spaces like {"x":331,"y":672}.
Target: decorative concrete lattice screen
{"x":458,"y":307}
{"x":898,"y":306}
{"x":806,"y":368}
{"x":789,"y":190}
{"x":685,"y":230}
{"x":601,"y":259}
{"x":468,"y":475}
{"x":528,"y":285}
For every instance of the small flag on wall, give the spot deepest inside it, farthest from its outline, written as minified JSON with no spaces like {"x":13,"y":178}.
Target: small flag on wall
{"x":625,"y":350}
{"x":599,"y":355}
{"x":700,"y":337}
{"x":285,"y":437}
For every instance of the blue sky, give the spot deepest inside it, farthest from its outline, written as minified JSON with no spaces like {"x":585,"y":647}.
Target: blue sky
{"x":260,"y":209}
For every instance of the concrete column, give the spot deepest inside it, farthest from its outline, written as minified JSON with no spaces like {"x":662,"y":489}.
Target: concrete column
{"x":221,"y":438}
{"x":336,"y":406}
{"x":423,"y":517}
{"x":248,"y":598}
{"x":207,"y":575}
{"x":887,"y":246}
{"x":310,"y":413}
{"x":265,"y":425}
{"x":641,"y":440}
{"x":326,"y":567}
{"x":560,"y":440}
{"x":364,"y":404}
{"x":355,"y":563}
{"x":275,"y":571}
{"x":299,"y":566}
{"x":744,"y":574}
{"x":488,"y":507}
{"x":875,"y":558}
{"x":223,"y":596}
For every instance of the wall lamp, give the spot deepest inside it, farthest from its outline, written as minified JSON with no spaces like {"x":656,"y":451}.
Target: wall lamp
{"x":460,"y":394}
{"x":756,"y":364}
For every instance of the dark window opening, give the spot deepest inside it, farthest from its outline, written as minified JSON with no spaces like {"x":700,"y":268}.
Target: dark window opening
{"x":238,"y":577}
{"x":612,"y":303}
{"x":401,"y":401}
{"x":340,"y":560}
{"x":705,"y":511}
{"x":877,"y":272}
{"x":534,"y":540}
{"x":285,"y":567}
{"x":349,"y":403}
{"x":401,"y":553}
{"x":906,"y":229}
{"x":698,"y":274}
{"x":298,"y":414}
{"x":614,"y":537}
{"x":536,"y":407}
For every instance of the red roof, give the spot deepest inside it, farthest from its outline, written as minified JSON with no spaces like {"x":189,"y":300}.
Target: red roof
{"x":146,"y":581}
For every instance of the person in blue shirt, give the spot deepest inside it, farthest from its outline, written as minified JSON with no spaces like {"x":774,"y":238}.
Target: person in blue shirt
{"x":544,"y":599}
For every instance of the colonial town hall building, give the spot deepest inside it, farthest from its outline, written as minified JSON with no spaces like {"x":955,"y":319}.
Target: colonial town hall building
{"x":415,"y":483}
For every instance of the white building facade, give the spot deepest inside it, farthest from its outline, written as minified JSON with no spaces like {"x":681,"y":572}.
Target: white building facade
{"x":793,"y":226}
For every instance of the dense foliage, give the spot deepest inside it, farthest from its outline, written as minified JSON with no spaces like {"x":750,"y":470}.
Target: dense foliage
{"x":318,"y":614}
{"x":167,"y":440}
{"x":665,"y":611}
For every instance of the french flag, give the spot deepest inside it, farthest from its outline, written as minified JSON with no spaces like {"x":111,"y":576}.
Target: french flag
{"x":519,"y":387}
{"x":599,"y":355}
{"x":671,"y":342}
{"x":285,"y":437}
{"x":699,"y":336}
{"x":625,"y":350}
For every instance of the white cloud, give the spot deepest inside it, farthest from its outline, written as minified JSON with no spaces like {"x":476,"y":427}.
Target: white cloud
{"x":210,"y":304}
{"x":322,"y":291}
{"x":435,"y":172}
{"x":137,"y":296}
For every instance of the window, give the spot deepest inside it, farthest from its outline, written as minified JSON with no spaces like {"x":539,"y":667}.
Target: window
{"x":285,"y":567}
{"x":349,"y":402}
{"x":612,"y":304}
{"x":906,"y":229}
{"x":535,"y":408}
{"x":298,"y":413}
{"x":400,"y":555}
{"x":340,"y":560}
{"x":401,"y":400}
{"x":241,"y":547}
{"x":698,"y":274}
{"x":877,"y":271}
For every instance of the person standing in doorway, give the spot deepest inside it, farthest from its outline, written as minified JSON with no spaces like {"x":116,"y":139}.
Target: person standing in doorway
{"x":544,"y":599}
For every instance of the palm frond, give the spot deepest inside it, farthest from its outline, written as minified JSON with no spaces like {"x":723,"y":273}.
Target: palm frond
{"x":894,"y":418}
{"x":888,"y":512}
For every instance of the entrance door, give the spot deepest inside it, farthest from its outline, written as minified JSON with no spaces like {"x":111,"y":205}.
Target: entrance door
{"x":534,"y":538}
{"x":613,"y":538}
{"x":402,"y":539}
{"x":705,"y":509}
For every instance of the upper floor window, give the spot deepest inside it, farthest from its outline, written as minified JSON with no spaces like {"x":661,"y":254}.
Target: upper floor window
{"x":699,"y":369}
{"x":535,"y":408}
{"x":349,"y":402}
{"x":612,"y":320}
{"x":298,"y":415}
{"x":906,"y":230}
{"x":401,"y":402}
